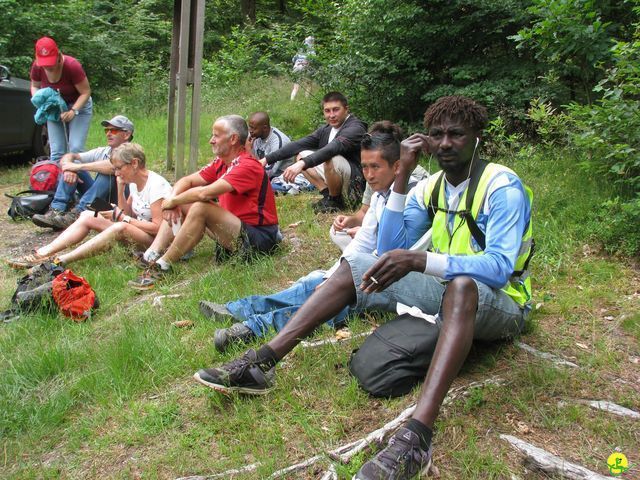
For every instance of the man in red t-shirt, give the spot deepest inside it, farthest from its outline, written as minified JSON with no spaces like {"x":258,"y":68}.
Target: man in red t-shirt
{"x":231,"y":199}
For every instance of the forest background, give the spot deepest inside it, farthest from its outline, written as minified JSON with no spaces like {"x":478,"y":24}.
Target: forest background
{"x":113,"y":397}
{"x":563,"y":72}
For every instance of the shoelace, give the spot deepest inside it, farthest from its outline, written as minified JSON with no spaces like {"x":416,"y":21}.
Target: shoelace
{"x":239,"y":364}
{"x":396,"y":450}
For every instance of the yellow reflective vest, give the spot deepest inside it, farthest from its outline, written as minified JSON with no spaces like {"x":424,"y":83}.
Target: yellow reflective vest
{"x":459,"y":240}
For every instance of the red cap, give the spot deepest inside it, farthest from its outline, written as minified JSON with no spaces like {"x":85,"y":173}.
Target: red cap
{"x":46,"y":52}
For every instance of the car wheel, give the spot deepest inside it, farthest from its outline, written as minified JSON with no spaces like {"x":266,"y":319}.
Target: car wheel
{"x":40,"y":143}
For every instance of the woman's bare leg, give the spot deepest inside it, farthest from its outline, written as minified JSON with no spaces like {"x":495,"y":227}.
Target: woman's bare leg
{"x":76,"y":232}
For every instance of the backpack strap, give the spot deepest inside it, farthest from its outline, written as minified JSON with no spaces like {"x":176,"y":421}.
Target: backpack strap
{"x":31,"y":192}
{"x":433,"y":201}
{"x":476,"y":174}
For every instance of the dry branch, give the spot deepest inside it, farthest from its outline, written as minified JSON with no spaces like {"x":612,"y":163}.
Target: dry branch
{"x":539,"y":459}
{"x":610,"y":407}
{"x":547,"y":356}
{"x":330,"y":474}
{"x":227,"y":474}
{"x":329,"y":341}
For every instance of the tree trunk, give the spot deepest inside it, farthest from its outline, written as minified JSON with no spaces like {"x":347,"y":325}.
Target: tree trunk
{"x":248,"y":9}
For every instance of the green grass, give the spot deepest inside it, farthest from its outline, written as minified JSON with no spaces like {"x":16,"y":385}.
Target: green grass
{"x":113,"y":398}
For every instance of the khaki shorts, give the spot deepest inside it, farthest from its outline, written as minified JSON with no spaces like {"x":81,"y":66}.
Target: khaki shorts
{"x":340,"y":164}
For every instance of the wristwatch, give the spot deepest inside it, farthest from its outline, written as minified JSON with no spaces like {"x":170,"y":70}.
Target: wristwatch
{"x":75,"y":111}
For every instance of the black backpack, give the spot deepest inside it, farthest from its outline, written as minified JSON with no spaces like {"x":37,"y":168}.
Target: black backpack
{"x":395,"y":357}
{"x":33,"y":292}
{"x":28,"y":203}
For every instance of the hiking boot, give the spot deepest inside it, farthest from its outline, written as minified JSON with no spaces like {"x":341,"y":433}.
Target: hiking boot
{"x":216,"y":311}
{"x":147,"y":280}
{"x":329,"y":205}
{"x":238,"y":332}
{"x":402,"y":459}
{"x":56,"y":219}
{"x":242,"y":375}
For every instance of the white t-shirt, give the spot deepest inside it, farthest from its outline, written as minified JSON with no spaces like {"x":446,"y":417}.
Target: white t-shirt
{"x":156,"y":188}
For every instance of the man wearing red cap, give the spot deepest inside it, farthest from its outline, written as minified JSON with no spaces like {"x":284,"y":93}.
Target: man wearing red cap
{"x":65,"y":75}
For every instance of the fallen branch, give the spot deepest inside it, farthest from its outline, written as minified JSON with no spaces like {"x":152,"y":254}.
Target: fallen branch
{"x":377,"y":436}
{"x":330,"y":474}
{"x":158,"y":300}
{"x":547,"y":356}
{"x":539,"y":459}
{"x":329,"y":341}
{"x":228,"y":474}
{"x":296,"y":467}
{"x":607,"y":406}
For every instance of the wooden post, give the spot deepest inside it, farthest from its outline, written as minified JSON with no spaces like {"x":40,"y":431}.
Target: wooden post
{"x":197,"y":82}
{"x":185,"y":18}
{"x":173,"y":70}
{"x":185,"y":71}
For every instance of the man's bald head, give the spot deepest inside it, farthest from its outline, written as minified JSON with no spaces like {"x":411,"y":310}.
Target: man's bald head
{"x":259,"y":125}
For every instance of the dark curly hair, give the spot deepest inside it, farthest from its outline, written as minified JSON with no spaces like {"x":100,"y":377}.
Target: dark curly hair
{"x":386,"y":137}
{"x":463,"y":109}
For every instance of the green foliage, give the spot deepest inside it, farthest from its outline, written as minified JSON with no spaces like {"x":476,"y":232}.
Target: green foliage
{"x":393,"y":58}
{"x":571,"y":37}
{"x":551,"y":126}
{"x":498,"y":142}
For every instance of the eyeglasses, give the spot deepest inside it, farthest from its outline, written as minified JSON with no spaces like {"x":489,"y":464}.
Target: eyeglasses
{"x":112,"y":131}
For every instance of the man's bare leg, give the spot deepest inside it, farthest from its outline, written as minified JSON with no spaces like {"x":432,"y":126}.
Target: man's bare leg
{"x":314,"y":178}
{"x":459,"y":307}
{"x":224,"y":226}
{"x":333,"y":179}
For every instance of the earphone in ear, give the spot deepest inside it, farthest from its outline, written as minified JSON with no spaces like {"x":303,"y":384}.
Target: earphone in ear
{"x":477,"y":141}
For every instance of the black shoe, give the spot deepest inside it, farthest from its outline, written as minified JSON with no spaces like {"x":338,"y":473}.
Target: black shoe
{"x":329,"y":205}
{"x":238,"y":332}
{"x":242,"y":375}
{"x":216,"y":311}
{"x":402,"y":459}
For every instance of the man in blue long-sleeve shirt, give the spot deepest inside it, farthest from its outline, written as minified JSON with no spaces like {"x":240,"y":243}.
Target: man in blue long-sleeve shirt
{"x":474,"y":277}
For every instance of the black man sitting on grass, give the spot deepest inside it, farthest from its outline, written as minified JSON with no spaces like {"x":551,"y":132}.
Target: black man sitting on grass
{"x":475,"y":278}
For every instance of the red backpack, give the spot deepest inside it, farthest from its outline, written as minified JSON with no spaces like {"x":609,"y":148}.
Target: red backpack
{"x":44,"y":175}
{"x":74,"y":296}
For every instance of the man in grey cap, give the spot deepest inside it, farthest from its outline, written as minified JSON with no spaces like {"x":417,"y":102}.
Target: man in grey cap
{"x":76,"y":176}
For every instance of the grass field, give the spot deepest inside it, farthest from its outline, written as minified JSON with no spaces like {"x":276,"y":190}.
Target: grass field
{"x":113,"y":397}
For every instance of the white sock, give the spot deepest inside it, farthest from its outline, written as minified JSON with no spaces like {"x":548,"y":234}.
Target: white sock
{"x":150,"y":255}
{"x":164,"y":265}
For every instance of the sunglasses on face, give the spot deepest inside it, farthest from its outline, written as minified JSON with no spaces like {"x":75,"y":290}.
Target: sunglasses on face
{"x":112,"y":131}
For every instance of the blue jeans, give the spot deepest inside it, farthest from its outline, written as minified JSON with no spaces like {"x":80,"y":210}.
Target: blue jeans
{"x":78,"y":129}
{"x":102,"y":186}
{"x":264,"y":312}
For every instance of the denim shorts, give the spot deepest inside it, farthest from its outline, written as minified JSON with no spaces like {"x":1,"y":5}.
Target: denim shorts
{"x":498,"y":315}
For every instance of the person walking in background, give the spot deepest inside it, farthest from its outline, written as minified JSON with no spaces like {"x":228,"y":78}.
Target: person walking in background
{"x":301,"y":62}
{"x":64,"y":74}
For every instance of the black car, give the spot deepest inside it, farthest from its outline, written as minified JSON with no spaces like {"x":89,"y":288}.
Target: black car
{"x":18,"y":130}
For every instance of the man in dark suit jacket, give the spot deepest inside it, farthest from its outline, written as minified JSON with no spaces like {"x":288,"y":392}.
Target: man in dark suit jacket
{"x":329,"y":157}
